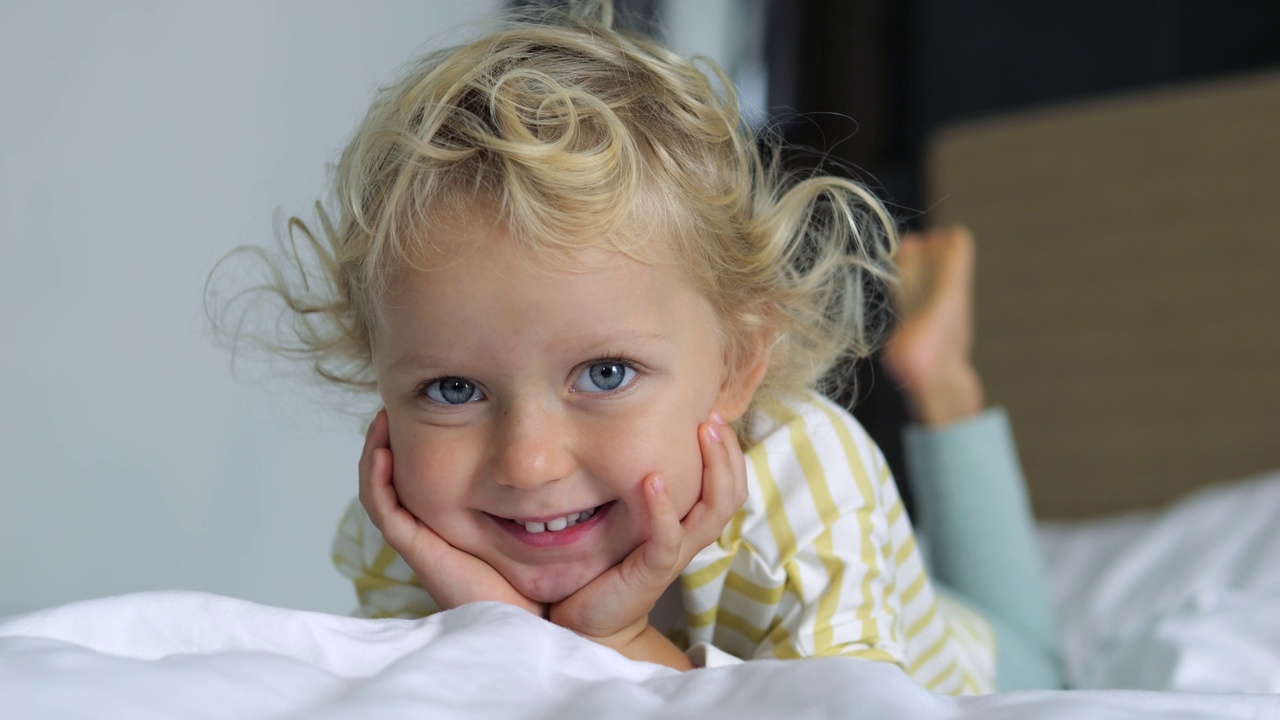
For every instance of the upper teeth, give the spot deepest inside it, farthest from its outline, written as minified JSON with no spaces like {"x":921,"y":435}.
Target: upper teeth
{"x":559,"y":523}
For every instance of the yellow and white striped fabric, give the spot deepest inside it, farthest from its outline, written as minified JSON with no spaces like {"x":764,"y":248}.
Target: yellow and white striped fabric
{"x":821,"y":561}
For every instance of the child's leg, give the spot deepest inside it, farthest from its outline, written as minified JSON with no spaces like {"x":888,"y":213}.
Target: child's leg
{"x":929,"y":351}
{"x":970,"y":496}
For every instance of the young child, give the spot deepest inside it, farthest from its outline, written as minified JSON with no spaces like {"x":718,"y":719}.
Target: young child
{"x":596,"y":317}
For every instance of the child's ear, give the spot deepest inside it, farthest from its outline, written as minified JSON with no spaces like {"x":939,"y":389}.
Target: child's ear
{"x":743,"y":381}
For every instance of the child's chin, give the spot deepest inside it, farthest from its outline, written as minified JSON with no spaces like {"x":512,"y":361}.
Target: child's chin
{"x":551,"y":586}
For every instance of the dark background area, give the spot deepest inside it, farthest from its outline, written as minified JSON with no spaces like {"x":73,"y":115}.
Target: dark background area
{"x":874,"y":78}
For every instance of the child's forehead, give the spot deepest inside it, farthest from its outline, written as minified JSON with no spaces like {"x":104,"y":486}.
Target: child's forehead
{"x":494,"y":262}
{"x":443,"y":245}
{"x":484,"y":268}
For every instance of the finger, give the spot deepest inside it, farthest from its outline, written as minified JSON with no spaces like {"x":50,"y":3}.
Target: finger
{"x":737,"y":468}
{"x":377,"y":491}
{"x":380,"y":486}
{"x":719,"y":496}
{"x":377,"y":436}
{"x":662,"y":549}
{"x":379,"y":432}
{"x":377,"y":487}
{"x":715,"y":460}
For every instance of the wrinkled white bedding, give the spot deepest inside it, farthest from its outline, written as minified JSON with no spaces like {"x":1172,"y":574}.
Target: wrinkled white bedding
{"x":1187,"y":598}
{"x":192,"y":655}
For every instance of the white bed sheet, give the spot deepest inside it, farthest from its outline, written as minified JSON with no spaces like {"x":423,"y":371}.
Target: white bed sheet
{"x":192,"y":655}
{"x":1187,"y":598}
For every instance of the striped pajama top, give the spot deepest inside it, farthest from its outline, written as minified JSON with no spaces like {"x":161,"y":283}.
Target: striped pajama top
{"x":821,"y":561}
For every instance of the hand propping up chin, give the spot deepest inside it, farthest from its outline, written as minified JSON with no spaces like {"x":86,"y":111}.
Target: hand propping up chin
{"x":614,"y":608}
{"x":451,"y":576}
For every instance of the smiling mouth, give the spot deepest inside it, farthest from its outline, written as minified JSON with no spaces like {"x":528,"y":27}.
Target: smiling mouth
{"x":558,"y":524}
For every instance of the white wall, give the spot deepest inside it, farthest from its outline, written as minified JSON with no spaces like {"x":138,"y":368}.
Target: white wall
{"x":139,"y":142}
{"x":731,"y":32}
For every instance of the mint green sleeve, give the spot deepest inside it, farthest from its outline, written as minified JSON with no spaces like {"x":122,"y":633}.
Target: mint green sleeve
{"x":980,"y":539}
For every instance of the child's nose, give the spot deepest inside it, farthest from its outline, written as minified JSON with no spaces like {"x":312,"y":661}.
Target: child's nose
{"x":532,"y":448}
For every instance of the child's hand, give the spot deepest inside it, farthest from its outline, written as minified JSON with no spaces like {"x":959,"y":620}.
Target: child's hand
{"x":614,"y":608}
{"x":451,"y":576}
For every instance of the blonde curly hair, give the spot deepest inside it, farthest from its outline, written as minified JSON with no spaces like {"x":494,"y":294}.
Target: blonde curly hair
{"x":581,"y":135}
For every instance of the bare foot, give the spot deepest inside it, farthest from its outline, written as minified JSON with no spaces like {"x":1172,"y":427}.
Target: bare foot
{"x":929,"y":352}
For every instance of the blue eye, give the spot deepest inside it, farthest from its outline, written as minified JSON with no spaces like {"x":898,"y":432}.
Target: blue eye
{"x":604,"y":376}
{"x":453,"y":391}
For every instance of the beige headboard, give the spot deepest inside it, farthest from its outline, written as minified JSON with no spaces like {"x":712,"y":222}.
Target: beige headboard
{"x":1128,"y":290}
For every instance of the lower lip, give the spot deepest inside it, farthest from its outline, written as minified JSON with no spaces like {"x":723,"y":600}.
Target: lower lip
{"x":554,"y":538}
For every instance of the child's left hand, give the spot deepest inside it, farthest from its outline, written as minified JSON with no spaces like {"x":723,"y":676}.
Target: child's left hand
{"x":614,"y":608}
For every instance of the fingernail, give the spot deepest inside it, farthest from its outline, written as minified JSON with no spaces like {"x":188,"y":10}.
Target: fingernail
{"x":657,"y":485}
{"x":713,"y":433}
{"x":717,"y":418}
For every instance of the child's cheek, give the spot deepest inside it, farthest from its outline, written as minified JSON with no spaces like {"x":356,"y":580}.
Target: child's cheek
{"x":683,"y":472}
{"x":685,"y":495}
{"x":661,"y":446}
{"x":427,"y":477}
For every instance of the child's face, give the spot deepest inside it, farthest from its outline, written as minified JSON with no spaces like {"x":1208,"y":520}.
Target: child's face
{"x":519,"y":394}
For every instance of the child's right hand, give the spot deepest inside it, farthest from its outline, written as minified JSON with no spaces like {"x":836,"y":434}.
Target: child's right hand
{"x":451,"y":576}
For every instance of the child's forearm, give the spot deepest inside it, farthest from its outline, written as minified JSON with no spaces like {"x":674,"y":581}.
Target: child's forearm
{"x":652,"y":646}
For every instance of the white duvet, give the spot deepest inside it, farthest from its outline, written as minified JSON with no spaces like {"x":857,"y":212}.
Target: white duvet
{"x":193,"y":655}
{"x":1187,"y":599}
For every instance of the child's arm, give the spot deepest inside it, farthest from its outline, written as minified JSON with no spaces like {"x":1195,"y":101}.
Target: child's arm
{"x":614,"y":608}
